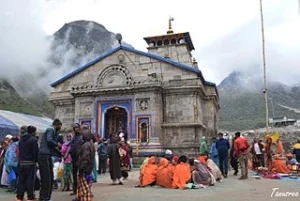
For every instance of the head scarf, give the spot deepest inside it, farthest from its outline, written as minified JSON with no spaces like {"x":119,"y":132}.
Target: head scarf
{"x":201,"y":173}
{"x":163,"y":163}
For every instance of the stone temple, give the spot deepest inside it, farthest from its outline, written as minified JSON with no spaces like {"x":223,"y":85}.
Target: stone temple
{"x":159,"y":99}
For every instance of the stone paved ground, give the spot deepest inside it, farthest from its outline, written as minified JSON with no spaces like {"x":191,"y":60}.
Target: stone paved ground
{"x":230,"y":189}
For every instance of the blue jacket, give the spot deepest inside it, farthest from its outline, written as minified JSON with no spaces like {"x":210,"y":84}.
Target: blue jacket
{"x":222,"y":146}
{"x":213,"y":150}
{"x":11,"y":157}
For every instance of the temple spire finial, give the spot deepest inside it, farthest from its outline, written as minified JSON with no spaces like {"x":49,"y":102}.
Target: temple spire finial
{"x":170,"y":31}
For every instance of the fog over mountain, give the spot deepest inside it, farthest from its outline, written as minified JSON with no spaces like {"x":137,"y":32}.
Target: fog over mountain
{"x":31,"y":60}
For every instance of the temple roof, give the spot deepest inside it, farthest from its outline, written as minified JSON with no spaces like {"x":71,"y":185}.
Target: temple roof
{"x":186,"y":36}
{"x":129,"y":49}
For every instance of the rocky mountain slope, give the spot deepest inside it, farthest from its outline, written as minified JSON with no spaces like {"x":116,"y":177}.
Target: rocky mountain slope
{"x":73,"y":45}
{"x":242,"y":102}
{"x":11,"y":100}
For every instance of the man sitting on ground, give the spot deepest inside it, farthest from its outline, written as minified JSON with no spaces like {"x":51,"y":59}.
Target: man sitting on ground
{"x":148,"y":173}
{"x":164,"y":176}
{"x":182,"y":174}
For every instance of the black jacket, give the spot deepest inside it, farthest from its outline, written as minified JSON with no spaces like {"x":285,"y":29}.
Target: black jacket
{"x":86,"y":156}
{"x":75,"y":143}
{"x":49,"y":143}
{"x":28,"y":149}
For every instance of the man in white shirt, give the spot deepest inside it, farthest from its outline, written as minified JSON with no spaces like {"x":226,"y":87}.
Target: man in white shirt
{"x":257,"y":150}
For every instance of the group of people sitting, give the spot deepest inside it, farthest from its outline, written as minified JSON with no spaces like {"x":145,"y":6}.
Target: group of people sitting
{"x":179,"y":172}
{"x":276,"y":161}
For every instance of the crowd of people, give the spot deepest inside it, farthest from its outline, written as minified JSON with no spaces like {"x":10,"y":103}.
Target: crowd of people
{"x":28,"y":163}
{"x":212,"y":164}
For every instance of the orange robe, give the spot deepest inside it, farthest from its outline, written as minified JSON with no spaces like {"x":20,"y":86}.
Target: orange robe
{"x":182,"y":176}
{"x":279,"y":166}
{"x":149,"y":172}
{"x":279,"y":149}
{"x":202,"y":159}
{"x":164,"y":175}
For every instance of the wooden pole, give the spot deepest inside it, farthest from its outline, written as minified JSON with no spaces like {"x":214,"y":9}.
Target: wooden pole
{"x":264,"y":65}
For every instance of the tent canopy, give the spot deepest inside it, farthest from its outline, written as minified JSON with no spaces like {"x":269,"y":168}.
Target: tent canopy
{"x":10,"y":123}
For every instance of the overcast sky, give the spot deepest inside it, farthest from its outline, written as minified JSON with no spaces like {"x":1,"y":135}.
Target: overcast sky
{"x":225,"y":33}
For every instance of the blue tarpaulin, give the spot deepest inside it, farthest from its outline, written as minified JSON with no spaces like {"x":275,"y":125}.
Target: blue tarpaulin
{"x":10,"y":122}
{"x":7,"y":127}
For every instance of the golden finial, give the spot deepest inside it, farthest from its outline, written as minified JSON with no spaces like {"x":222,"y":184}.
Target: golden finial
{"x":170,"y":31}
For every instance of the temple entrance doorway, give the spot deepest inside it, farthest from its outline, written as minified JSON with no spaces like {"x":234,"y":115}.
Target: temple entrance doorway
{"x":116,"y":120}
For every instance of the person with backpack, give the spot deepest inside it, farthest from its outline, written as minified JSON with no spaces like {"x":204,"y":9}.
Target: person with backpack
{"x":49,"y":147}
{"x":102,"y":154}
{"x":28,"y":157}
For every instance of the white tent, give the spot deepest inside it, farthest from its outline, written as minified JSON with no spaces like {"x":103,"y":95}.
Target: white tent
{"x":11,"y":122}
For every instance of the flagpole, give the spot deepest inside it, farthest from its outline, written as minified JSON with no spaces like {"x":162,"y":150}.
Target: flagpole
{"x":264,"y":65}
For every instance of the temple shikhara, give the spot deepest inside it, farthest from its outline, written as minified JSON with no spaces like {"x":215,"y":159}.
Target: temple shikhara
{"x":159,"y":99}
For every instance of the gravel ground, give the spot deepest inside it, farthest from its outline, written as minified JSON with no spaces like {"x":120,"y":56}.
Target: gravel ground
{"x":230,"y":189}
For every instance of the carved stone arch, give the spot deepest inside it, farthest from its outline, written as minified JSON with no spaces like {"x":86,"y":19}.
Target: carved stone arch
{"x":114,"y":75}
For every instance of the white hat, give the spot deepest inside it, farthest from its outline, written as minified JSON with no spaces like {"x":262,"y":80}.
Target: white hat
{"x":168,"y":152}
{"x":8,"y":136}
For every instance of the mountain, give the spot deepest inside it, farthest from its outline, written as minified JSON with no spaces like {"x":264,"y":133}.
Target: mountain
{"x":80,"y":41}
{"x":73,"y":45}
{"x":12,"y":101}
{"x":242,"y":101}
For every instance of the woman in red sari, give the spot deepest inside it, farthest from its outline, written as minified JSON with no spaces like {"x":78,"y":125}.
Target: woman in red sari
{"x":125,"y":159}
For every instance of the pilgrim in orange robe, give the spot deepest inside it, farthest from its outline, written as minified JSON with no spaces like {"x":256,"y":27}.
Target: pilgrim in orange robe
{"x":279,"y":149}
{"x":149,"y":172}
{"x":182,"y":175}
{"x":279,"y":165}
{"x":164,"y":175}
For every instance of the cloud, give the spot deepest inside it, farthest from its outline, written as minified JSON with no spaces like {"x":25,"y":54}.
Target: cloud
{"x":242,"y":49}
{"x":226,"y":34}
{"x":22,"y":38}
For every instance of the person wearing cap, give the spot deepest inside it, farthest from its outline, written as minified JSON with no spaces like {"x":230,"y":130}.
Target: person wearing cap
{"x":28,"y":157}
{"x":169,"y":155}
{"x":75,"y":145}
{"x":49,"y":147}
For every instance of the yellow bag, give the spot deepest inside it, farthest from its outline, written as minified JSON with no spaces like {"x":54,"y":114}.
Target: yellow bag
{"x":60,"y":174}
